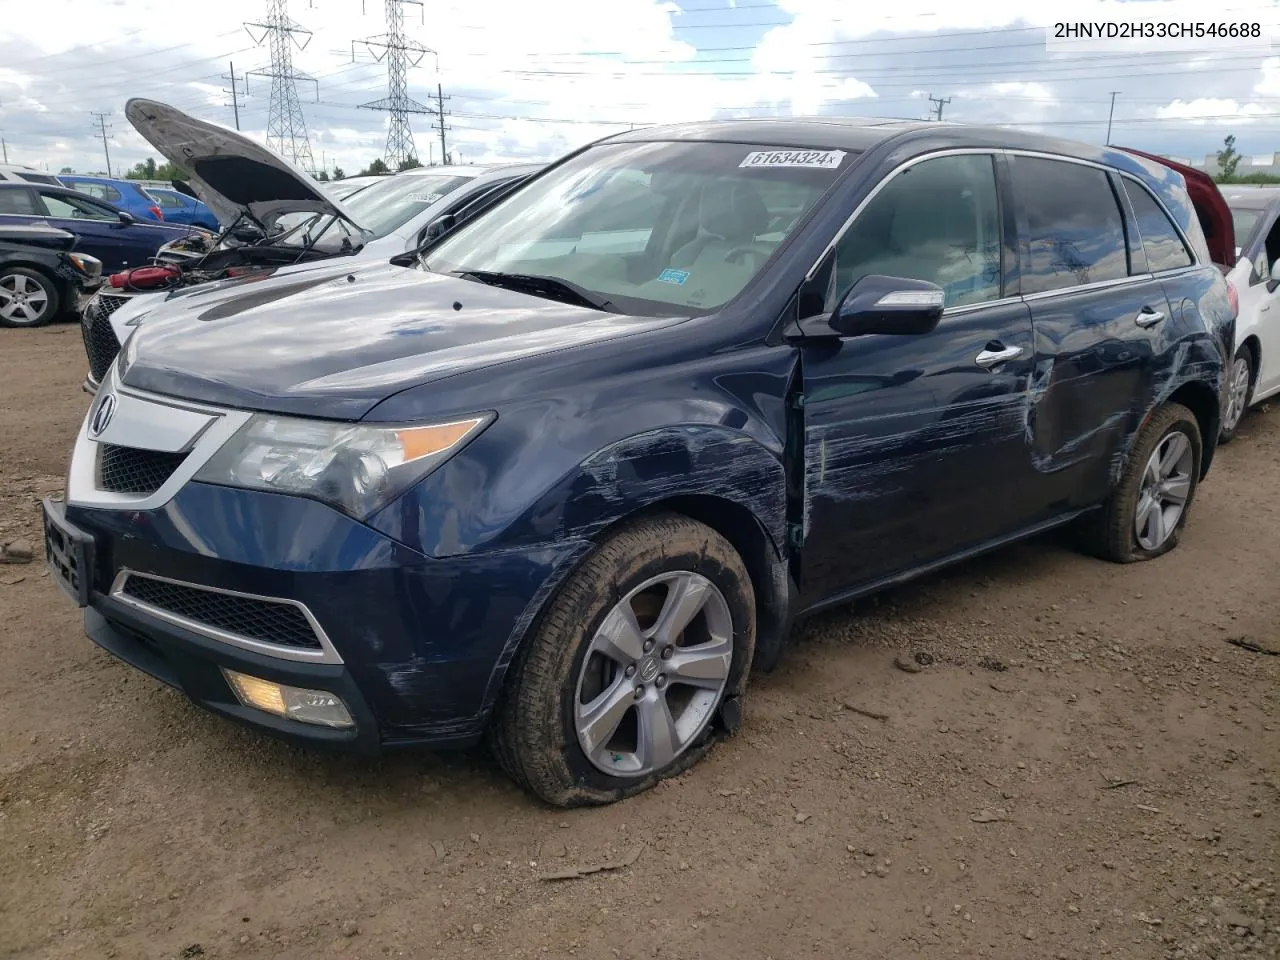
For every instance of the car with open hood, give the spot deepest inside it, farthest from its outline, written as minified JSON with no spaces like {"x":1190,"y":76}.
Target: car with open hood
{"x":567,"y":478}
{"x":396,"y":213}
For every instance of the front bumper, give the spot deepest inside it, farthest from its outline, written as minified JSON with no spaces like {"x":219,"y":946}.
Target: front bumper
{"x":421,"y":644}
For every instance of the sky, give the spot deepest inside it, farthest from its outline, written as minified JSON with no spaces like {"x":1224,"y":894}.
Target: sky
{"x":529,"y":81}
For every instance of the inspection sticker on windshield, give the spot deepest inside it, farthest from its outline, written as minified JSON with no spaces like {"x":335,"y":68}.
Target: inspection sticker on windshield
{"x":672,"y":275}
{"x":819,"y":159}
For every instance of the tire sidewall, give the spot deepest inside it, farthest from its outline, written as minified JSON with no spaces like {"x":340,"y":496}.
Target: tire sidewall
{"x":1183,"y":421}
{"x":742,"y":610}
{"x":1245,"y":354}
{"x":52,"y":300}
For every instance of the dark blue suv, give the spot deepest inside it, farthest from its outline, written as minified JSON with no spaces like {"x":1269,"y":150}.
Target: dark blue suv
{"x":562,"y":477}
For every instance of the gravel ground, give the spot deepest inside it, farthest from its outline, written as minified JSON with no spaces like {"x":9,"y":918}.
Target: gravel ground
{"x":1083,"y":766}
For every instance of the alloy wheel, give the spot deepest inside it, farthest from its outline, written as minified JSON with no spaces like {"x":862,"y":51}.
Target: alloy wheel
{"x":22,"y":299}
{"x":653,"y":674}
{"x":1237,"y":395}
{"x":1166,"y":484}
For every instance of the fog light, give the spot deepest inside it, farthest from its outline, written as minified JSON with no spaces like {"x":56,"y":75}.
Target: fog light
{"x":294,"y":703}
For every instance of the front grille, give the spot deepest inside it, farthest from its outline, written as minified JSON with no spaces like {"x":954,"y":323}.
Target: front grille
{"x":266,"y":621}
{"x":100,"y":343}
{"x":130,"y":470}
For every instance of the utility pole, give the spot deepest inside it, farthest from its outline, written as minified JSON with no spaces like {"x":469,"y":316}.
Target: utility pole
{"x":1111,"y":114}
{"x":939,"y":103}
{"x":103,"y":131}
{"x":400,"y":53}
{"x":440,"y":115}
{"x":286,"y":126}
{"x":235,"y":98}
{"x":5,"y":147}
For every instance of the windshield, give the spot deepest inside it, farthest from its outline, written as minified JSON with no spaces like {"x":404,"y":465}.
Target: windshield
{"x":388,"y":205}
{"x":1243,"y":221}
{"x":649,"y":226}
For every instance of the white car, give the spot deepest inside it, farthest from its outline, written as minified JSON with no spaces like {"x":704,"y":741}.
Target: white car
{"x":1255,"y":371}
{"x":280,"y":219}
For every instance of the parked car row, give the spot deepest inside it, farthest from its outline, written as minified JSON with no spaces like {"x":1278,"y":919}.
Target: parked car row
{"x":561,"y":475}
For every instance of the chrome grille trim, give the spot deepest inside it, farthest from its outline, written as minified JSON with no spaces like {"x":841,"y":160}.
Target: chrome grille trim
{"x":326,"y":653}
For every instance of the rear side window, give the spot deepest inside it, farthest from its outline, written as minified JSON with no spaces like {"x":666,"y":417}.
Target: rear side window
{"x":1075,"y":232}
{"x":18,"y":202}
{"x":1164,"y":247}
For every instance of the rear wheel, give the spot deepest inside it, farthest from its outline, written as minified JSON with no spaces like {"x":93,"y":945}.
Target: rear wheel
{"x":1148,"y":508}
{"x":1239,"y":393}
{"x":621,"y":683}
{"x":27,"y":298}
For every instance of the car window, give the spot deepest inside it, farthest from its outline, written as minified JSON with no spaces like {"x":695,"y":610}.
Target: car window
{"x":1242,"y":222}
{"x":75,"y":208}
{"x":938,"y":221}
{"x":19,"y":203}
{"x":38,"y":178}
{"x":389,"y":204}
{"x":1074,"y":225}
{"x":101,"y":191}
{"x":648,"y":226}
{"x":167,"y":201}
{"x":1164,"y":248}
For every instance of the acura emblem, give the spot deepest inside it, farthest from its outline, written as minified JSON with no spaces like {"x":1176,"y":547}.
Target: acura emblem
{"x":102,"y":416}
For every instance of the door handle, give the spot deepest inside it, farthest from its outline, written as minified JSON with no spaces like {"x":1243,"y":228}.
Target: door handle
{"x":988,"y":359}
{"x":1148,"y":318}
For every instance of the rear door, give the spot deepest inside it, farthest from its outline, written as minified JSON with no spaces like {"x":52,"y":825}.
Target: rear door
{"x":1097,"y":312}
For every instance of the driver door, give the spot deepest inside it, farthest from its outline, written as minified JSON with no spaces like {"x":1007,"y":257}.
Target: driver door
{"x":917,"y":447}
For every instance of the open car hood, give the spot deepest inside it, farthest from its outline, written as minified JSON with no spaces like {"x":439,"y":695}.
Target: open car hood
{"x":232,"y":174}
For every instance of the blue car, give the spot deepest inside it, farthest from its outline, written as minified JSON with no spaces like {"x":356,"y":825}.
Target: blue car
{"x":179,"y":208}
{"x":566,"y":475}
{"x":125,"y":195}
{"x":114,"y":236}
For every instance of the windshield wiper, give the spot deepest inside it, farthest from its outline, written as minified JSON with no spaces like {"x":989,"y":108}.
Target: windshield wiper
{"x":553,"y":288}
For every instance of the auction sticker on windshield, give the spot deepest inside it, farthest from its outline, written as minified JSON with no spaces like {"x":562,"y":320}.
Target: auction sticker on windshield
{"x":820,"y":159}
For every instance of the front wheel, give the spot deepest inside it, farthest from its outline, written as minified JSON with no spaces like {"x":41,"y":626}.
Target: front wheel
{"x":1145,"y":514}
{"x":1239,"y":393}
{"x":27,"y":298}
{"x":620,"y":684}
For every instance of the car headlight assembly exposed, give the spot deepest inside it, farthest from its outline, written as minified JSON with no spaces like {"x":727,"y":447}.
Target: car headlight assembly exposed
{"x":358,"y":468}
{"x":89,"y":266}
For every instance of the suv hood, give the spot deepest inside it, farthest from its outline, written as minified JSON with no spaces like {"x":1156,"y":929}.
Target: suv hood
{"x":232,"y":174}
{"x":335,"y":342}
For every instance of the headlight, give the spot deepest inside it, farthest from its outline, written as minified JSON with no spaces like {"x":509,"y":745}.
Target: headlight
{"x":89,"y":266}
{"x":357,"y":468}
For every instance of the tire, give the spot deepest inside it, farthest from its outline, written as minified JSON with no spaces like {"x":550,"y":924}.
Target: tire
{"x":646,"y":564}
{"x":1112,"y":532}
{"x":1241,"y":375}
{"x":27,"y":298}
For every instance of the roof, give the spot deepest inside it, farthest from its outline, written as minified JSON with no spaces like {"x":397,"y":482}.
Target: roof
{"x":849,"y":133}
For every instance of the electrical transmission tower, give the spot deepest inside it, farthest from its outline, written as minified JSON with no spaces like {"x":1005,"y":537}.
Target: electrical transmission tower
{"x":286,"y":127}
{"x":400,"y":53}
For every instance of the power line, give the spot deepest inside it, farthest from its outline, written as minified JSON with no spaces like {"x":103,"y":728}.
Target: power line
{"x":101,"y":119}
{"x":399,"y":53}
{"x":286,"y":126}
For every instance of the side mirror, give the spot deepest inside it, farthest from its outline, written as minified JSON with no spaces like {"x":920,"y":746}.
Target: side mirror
{"x":438,"y":228}
{"x":889,"y":305}
{"x":127,"y":218}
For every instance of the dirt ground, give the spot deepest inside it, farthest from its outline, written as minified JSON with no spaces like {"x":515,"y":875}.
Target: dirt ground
{"x":1084,"y":768}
